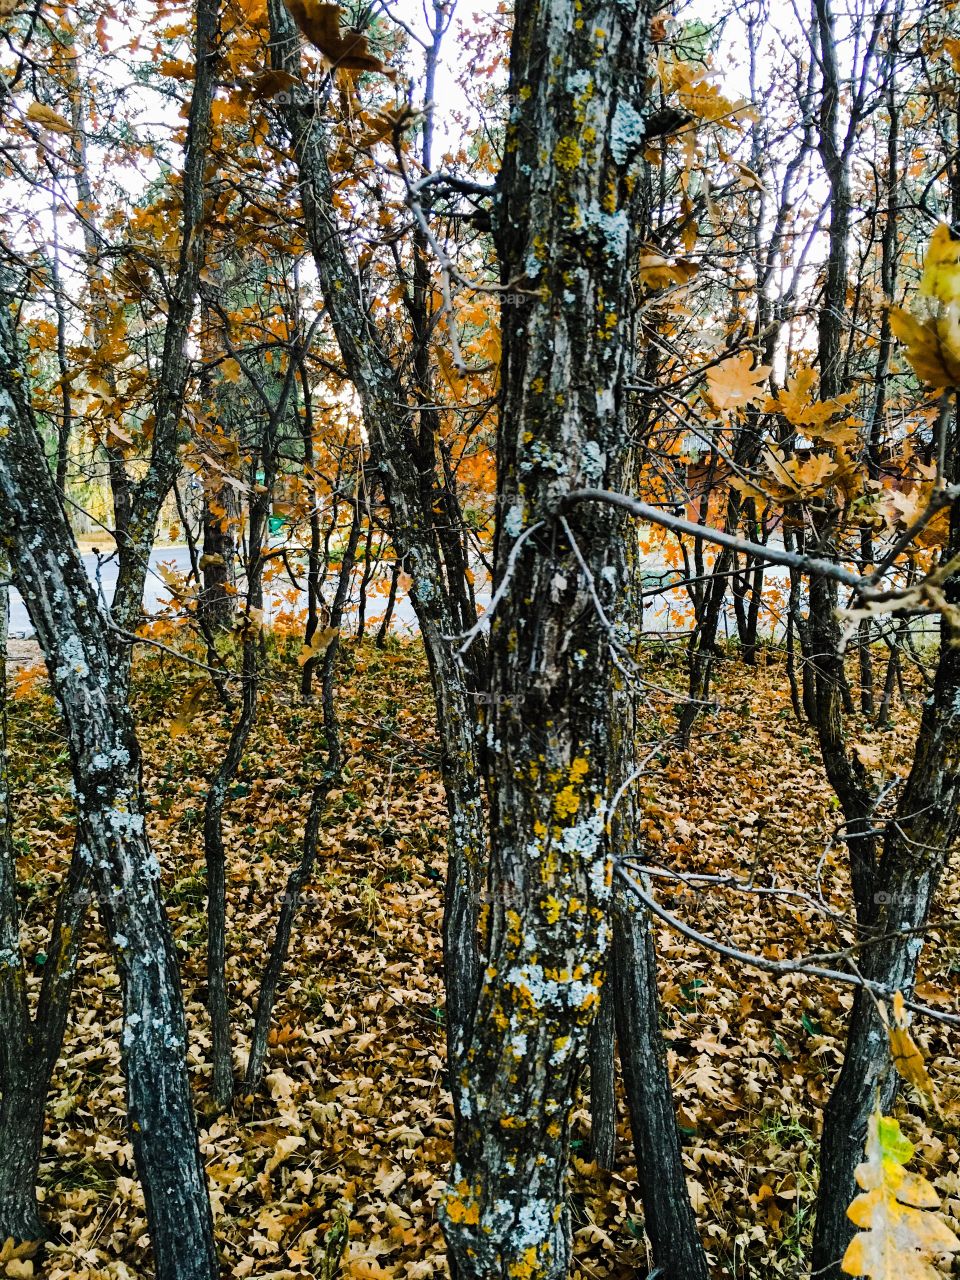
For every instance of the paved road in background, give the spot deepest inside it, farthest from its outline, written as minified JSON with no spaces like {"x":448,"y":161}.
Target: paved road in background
{"x":670,"y":613}
{"x":156,"y":593}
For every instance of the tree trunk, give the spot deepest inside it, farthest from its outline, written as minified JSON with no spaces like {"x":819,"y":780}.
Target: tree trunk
{"x":395,"y":452}
{"x":21,"y":1121}
{"x":564,"y":225}
{"x":917,"y":842}
{"x":384,"y":630}
{"x":22,"y":1110}
{"x":603,"y":1096}
{"x":218,"y":1000}
{"x":668,"y":1217}
{"x":105,"y":765}
{"x":217,"y":601}
{"x":298,"y":878}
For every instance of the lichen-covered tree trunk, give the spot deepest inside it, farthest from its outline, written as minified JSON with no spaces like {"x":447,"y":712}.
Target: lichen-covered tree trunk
{"x":918,"y":839}
{"x":21,"y":1124}
{"x":105,"y":764}
{"x":388,"y":416}
{"x":564,"y":226}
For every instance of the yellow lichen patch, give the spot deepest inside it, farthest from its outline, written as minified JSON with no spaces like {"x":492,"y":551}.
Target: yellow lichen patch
{"x":513,"y":1122}
{"x":560,"y":1043}
{"x":567,"y":153}
{"x":575,"y":905}
{"x":551,"y":909}
{"x":525,"y":1268}
{"x":579,"y":769}
{"x":461,"y":1205}
{"x":567,"y":803}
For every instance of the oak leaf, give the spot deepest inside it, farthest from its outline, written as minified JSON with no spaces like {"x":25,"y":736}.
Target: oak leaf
{"x":318,"y":646}
{"x":735,"y":382}
{"x":346,"y":50}
{"x":181,"y":722}
{"x":907,"y":1058}
{"x":47,"y":118}
{"x":658,"y":272}
{"x":933,"y":346}
{"x":900,"y":1237}
{"x":941,"y":267}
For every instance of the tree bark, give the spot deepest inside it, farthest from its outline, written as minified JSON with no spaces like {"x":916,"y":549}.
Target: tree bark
{"x":396,"y":454}
{"x":668,"y":1217}
{"x":105,"y":764}
{"x":564,"y":228}
{"x":603,"y":1081}
{"x":917,"y":842}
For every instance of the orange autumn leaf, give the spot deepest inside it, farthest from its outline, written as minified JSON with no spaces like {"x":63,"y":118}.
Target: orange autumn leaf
{"x":907,"y":1058}
{"x":346,"y":50}
{"x":735,"y":382}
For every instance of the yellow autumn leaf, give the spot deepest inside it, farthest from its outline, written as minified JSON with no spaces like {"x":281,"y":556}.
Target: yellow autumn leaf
{"x":941,"y":267}
{"x":658,"y":272}
{"x":900,"y":1236}
{"x":748,"y":488}
{"x":748,"y":177}
{"x":318,"y":646}
{"x":734,"y":382}
{"x":47,"y":118}
{"x":188,"y":709}
{"x":801,"y":477}
{"x":284,"y":1148}
{"x":933,"y":346}
{"x":797,"y":401}
{"x":907,"y":1058}
{"x":868,"y":754}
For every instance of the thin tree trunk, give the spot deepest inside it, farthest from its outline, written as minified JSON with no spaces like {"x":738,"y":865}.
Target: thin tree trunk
{"x":668,"y":1217}
{"x":368,"y":567}
{"x":603,"y":1097}
{"x":218,"y":1000}
{"x":105,"y":761}
{"x":313,"y":551}
{"x":298,"y":878}
{"x":917,"y":842}
{"x":384,"y":630}
{"x":395,"y":453}
{"x":217,"y":601}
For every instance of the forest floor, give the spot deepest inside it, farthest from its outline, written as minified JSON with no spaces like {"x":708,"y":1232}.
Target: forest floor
{"x":354,"y":1120}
